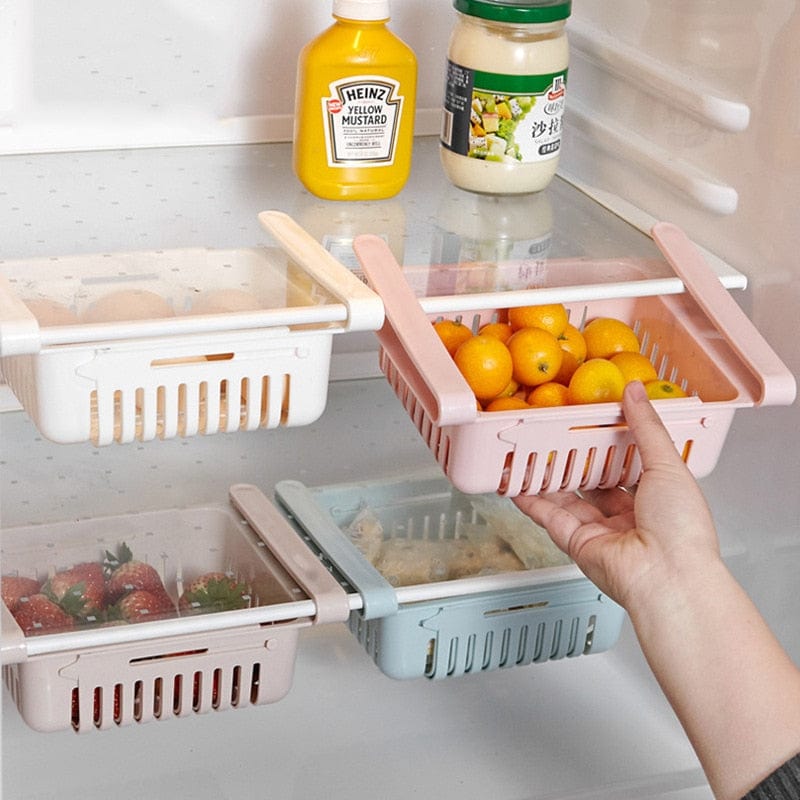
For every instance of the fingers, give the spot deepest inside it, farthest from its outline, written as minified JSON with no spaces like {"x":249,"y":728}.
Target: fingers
{"x":652,"y":438}
{"x":560,"y":514}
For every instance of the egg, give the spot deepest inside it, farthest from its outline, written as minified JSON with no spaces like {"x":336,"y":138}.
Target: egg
{"x":223,"y":301}
{"x":128,"y":304}
{"x":49,"y":313}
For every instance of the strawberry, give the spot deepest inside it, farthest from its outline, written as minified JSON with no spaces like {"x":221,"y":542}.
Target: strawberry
{"x":80,"y":591}
{"x":141,"y":605}
{"x":14,"y":588}
{"x":215,"y":591}
{"x":125,"y":575}
{"x":39,"y":614}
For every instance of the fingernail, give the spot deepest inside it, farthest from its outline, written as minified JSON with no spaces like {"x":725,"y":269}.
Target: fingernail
{"x":636,"y":391}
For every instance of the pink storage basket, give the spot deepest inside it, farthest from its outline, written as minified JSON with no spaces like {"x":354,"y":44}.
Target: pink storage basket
{"x":699,"y":338}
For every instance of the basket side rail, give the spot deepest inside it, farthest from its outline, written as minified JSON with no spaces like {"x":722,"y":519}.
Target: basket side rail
{"x":439,"y":386}
{"x":378,"y":596}
{"x":364,"y":307}
{"x":777,"y":384}
{"x":13,"y":649}
{"x":330,"y":599}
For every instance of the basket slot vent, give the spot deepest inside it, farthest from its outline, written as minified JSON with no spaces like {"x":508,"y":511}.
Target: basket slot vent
{"x":138,"y":700}
{"x":469,"y":660}
{"x":523,"y":641}
{"x":430,"y":659}
{"x":505,"y":647}
{"x":236,"y":686}
{"x":158,"y":697}
{"x":452,"y":658}
{"x":255,"y":682}
{"x":589,"y":639}
{"x":555,"y":641}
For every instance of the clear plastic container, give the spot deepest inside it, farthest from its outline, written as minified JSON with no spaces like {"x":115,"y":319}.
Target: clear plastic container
{"x":504,"y":99}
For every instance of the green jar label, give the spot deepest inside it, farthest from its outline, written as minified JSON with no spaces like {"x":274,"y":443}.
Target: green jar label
{"x":495,"y":117}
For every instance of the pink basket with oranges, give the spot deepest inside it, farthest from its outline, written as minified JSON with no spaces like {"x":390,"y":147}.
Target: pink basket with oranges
{"x":697,"y":338}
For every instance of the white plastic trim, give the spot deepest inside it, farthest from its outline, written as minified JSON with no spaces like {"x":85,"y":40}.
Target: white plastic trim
{"x":679,"y":90}
{"x":625,"y":145}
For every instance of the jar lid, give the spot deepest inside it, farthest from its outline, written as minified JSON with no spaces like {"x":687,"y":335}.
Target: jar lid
{"x":526,"y":11}
{"x":362,"y":10}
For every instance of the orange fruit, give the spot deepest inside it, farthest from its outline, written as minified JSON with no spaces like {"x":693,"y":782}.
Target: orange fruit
{"x":452,"y":333}
{"x":596,"y":381}
{"x":663,"y":390}
{"x":506,"y":404}
{"x":502,"y":330}
{"x":510,"y":390}
{"x":486,"y":365}
{"x":634,"y":367}
{"x":548,"y":395}
{"x":605,"y":336}
{"x":573,"y":344}
{"x":551,"y":317}
{"x":536,"y":356}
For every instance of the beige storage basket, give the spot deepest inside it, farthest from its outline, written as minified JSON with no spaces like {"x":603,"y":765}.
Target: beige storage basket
{"x":102,"y":676}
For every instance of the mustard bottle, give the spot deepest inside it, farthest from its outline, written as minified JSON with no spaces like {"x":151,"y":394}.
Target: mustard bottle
{"x":354,"y":110}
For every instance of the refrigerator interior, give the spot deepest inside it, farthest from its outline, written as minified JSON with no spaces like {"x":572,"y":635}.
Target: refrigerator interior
{"x":167,"y":125}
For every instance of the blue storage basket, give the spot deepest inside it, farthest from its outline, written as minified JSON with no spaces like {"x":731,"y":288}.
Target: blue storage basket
{"x":448,"y":628}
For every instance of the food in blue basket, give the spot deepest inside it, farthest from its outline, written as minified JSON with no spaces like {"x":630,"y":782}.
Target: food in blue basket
{"x":530,"y":542}
{"x":500,"y":539}
{"x":128,"y":305}
{"x":366,"y":533}
{"x":404,"y":562}
{"x":215,"y":591}
{"x":80,"y":591}
{"x":15,"y":587}
{"x":124,"y":574}
{"x":38,"y":614}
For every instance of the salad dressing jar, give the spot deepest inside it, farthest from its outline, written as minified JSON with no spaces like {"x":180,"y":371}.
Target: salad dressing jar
{"x":504,"y":95}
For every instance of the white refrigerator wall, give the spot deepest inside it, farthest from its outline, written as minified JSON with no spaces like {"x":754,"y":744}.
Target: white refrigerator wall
{"x":687,"y":110}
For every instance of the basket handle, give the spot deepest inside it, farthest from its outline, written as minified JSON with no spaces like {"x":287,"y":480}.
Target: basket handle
{"x":329,"y":597}
{"x":378,"y":596}
{"x":364,"y":308}
{"x":409,"y":335}
{"x":778,"y":386}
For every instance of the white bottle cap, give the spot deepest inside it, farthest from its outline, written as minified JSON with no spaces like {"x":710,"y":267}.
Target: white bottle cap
{"x":366,"y":10}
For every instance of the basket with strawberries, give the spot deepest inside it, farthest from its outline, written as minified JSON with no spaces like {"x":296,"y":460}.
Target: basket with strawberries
{"x":119,"y":589}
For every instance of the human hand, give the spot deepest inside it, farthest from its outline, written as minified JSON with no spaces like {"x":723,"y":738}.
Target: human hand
{"x":629,"y":544}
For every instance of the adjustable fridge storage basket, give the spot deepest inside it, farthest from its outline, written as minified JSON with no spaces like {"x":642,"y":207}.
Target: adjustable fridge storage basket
{"x":136,"y":346}
{"x":103,"y":674}
{"x":695,"y":335}
{"x":450,"y":627}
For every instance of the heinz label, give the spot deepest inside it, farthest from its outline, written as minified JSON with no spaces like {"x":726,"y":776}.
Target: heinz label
{"x":361,"y":119}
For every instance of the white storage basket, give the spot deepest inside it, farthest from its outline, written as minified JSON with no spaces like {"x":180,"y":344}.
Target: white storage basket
{"x":245,"y":343}
{"x":102,"y":676}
